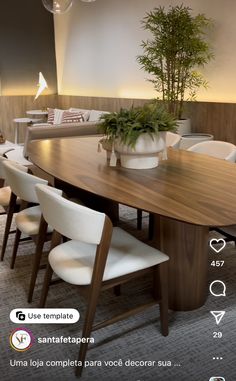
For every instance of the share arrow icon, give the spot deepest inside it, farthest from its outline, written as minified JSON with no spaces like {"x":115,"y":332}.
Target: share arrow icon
{"x":218,"y":315}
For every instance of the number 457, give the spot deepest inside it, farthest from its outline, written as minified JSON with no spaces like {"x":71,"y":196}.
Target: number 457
{"x":217,"y":263}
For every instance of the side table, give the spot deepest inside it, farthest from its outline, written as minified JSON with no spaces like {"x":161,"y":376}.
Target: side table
{"x":42,"y":114}
{"x":18,"y":122}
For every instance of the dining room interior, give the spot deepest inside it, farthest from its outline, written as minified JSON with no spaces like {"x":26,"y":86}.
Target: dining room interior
{"x":137,"y":247}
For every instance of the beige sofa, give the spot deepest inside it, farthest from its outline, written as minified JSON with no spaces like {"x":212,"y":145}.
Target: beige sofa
{"x":58,"y":131}
{"x":46,"y":131}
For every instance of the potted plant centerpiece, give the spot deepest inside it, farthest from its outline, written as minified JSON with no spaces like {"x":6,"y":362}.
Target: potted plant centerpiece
{"x":176,"y":48}
{"x":137,"y":134}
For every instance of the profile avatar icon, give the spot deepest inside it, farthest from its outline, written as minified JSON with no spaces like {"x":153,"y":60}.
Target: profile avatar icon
{"x":21,"y":339}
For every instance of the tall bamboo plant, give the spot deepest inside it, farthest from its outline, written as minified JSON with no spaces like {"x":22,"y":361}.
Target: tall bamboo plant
{"x":178,"y":46}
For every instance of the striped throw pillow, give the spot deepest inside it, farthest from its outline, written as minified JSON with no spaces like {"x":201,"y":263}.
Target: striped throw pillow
{"x":54,"y":115}
{"x":51,"y":114}
{"x":72,"y":117}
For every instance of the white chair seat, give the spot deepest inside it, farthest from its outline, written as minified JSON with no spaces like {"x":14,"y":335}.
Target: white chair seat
{"x":73,"y":261}
{"x":5,"y":194}
{"x":28,"y":220}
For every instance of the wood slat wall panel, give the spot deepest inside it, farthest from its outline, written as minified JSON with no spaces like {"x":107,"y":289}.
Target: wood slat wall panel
{"x":98,"y":103}
{"x":218,"y":119}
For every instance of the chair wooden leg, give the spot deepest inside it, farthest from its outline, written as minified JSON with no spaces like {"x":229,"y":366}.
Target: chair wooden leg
{"x":56,"y":240}
{"x":37,"y":257}
{"x":87,"y":329}
{"x":163,"y":274}
{"x":139,"y":219}
{"x":96,"y":282}
{"x":15,"y":248}
{"x":6,"y":233}
{"x":10,"y":213}
{"x":46,"y":283}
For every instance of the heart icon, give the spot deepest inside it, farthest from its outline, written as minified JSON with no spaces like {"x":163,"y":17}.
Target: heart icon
{"x":215,"y":241}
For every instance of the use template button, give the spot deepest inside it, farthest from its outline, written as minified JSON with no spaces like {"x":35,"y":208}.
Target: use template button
{"x":44,"y":315}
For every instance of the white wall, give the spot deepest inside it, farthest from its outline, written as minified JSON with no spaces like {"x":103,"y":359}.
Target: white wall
{"x":97,"y":44}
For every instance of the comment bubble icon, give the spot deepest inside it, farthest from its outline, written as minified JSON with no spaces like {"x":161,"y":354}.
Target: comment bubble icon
{"x":217,"y":288}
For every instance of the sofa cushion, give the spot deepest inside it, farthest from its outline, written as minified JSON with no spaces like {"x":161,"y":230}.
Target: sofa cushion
{"x":83,"y":110}
{"x":57,"y":116}
{"x":54,"y":116}
{"x":95,"y":115}
{"x":73,"y":117}
{"x":51,"y":113}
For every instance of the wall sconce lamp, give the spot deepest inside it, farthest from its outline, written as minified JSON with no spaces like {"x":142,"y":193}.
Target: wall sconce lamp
{"x":42,"y":85}
{"x":60,"y":6}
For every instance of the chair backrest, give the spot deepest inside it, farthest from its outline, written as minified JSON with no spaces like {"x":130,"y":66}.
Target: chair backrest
{"x":16,"y":155}
{"x":172,"y":140}
{"x":215,"y":148}
{"x":21,"y":182}
{"x":68,"y":218}
{"x":2,"y":171}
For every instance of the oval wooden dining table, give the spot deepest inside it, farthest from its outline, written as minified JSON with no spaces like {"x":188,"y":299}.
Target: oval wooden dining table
{"x":187,"y":193}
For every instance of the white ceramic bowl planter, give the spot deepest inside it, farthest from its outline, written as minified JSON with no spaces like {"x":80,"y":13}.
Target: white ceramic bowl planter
{"x":145,"y":153}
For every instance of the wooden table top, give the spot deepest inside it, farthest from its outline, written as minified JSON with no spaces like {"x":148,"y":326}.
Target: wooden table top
{"x":189,"y":187}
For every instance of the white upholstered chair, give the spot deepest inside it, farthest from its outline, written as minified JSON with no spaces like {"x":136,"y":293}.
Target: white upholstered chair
{"x":97,"y":256}
{"x":172,"y":140}
{"x":220,"y":150}
{"x":16,"y":154}
{"x":5,"y":190}
{"x":22,"y":185}
{"x":9,"y":203}
{"x":216,"y":148}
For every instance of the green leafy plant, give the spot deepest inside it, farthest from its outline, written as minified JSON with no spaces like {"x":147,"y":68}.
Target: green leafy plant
{"x":178,"y":46}
{"x":128,"y":125}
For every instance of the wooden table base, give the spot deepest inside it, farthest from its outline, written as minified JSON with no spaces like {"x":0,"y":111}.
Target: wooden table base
{"x":187,"y":247}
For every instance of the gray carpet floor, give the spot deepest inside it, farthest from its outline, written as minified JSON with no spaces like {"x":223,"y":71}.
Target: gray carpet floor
{"x":185,"y":355}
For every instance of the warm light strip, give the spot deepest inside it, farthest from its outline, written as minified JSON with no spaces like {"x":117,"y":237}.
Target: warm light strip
{"x":20,"y":92}
{"x":134,"y":94}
